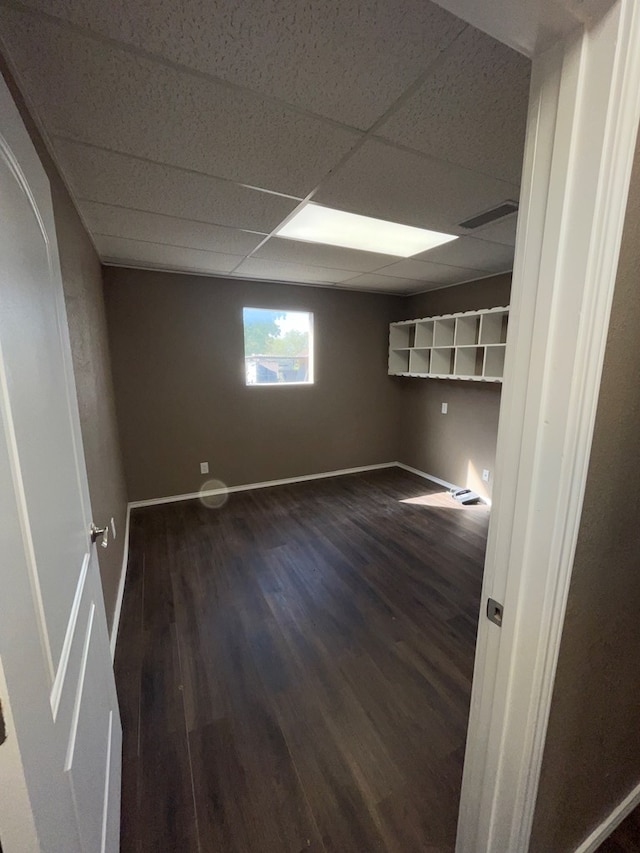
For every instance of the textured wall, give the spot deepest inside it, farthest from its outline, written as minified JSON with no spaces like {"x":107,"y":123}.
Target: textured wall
{"x":82,"y":281}
{"x":458,"y":445}
{"x":177,"y":352}
{"x":592,"y":753}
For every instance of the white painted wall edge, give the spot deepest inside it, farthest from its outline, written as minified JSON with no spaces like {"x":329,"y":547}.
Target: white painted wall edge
{"x":604,"y":830}
{"x":582,"y":127}
{"x":264,"y":485}
{"x":120,"y":596}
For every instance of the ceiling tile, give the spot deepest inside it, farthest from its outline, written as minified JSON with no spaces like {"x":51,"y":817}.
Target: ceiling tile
{"x":473,"y":253}
{"x":112,"y":221}
{"x":277,"y":271}
{"x":320,"y":255}
{"x":94,"y":92}
{"x":472,"y":110}
{"x":398,"y":185}
{"x":99,"y":175}
{"x":503,"y":231}
{"x":347,"y":61}
{"x":425,"y":271}
{"x":173,"y":257}
{"x":387,"y":283}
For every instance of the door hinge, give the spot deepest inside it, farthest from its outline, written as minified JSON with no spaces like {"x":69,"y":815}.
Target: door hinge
{"x":494,"y":612}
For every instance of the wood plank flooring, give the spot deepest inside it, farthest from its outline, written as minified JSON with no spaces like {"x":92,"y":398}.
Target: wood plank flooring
{"x":294,"y":669}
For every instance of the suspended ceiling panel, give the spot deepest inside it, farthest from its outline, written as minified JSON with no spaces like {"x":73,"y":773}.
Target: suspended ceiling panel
{"x":187,"y":132}
{"x":469,"y":111}
{"x":279,"y":271}
{"x":342,"y":60}
{"x":404,"y":186}
{"x":137,"y":252}
{"x":471,"y":253}
{"x":98,"y":175}
{"x":108,"y":221}
{"x":387,"y":284}
{"x":294,"y":251}
{"x":118,"y":100}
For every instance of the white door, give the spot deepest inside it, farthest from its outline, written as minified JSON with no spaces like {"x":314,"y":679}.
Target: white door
{"x":60,"y":761}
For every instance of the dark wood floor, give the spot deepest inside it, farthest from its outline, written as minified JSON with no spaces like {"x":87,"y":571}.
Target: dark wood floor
{"x":294,"y":669}
{"x":626,"y":838}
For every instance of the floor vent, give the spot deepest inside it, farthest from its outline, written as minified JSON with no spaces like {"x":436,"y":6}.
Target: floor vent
{"x":499,"y":212}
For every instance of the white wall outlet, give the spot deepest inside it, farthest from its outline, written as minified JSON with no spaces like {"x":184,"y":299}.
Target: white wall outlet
{"x":485,"y":475}
{"x":204,"y":467}
{"x":445,"y":407}
{"x":113,"y":526}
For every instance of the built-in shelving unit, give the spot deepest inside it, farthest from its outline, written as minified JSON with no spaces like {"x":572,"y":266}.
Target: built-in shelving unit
{"x":469,"y":345}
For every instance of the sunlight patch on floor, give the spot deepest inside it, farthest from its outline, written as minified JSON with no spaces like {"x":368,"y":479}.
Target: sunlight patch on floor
{"x":442,"y":500}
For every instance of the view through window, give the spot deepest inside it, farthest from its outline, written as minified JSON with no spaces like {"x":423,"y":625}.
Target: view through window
{"x":278,"y":346}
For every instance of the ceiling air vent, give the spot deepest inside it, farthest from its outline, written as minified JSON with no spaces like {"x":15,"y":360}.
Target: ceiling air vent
{"x":499,"y":212}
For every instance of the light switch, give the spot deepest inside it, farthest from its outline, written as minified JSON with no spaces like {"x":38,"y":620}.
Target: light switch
{"x":445,"y":406}
{"x":204,"y":467}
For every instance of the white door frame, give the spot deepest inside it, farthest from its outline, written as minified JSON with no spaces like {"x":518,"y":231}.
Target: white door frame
{"x":582,"y":124}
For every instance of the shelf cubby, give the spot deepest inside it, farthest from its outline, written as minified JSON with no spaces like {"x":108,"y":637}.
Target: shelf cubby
{"x":469,"y":361}
{"x":493,"y":328}
{"x":399,"y":360}
{"x":442,"y":361}
{"x":443,"y":331}
{"x":424,"y":334}
{"x":494,"y":362}
{"x":402,"y":335}
{"x":470,"y":345}
{"x":467,"y":330}
{"x":419,"y":361}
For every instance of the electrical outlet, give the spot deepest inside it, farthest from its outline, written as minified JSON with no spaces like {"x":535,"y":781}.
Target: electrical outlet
{"x":204,"y":467}
{"x":113,"y":527}
{"x":485,"y":475}
{"x":445,"y":407}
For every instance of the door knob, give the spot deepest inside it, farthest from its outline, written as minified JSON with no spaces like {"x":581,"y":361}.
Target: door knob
{"x":101,"y":533}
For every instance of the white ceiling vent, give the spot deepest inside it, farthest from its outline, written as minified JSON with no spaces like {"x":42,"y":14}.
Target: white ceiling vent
{"x":499,"y":212}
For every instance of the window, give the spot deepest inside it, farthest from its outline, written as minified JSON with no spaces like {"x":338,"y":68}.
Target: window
{"x":278,"y":346}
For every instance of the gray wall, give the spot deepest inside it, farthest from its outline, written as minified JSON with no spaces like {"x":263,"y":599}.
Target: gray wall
{"x":177,"y":355}
{"x":592,"y":753}
{"x":82,"y":281}
{"x":458,"y":445}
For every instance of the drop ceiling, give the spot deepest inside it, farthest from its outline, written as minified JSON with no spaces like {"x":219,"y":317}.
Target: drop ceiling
{"x":188,"y":131}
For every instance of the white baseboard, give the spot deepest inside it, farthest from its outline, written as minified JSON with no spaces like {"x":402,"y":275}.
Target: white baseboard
{"x":120,"y":596}
{"x":437,"y":480}
{"x":426,"y":476}
{"x":244,"y":488}
{"x":604,"y":830}
{"x":265,"y":485}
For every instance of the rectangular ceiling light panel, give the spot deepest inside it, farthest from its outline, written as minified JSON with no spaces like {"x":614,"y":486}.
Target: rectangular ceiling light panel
{"x":316,"y":224}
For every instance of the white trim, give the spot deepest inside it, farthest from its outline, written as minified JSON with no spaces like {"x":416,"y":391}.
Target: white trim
{"x":120,"y":597}
{"x":426,"y":476}
{"x":231,"y":278}
{"x":107,"y":787}
{"x":437,"y":480}
{"x":583,"y":118}
{"x":265,"y":485}
{"x":58,"y":683}
{"x":604,"y":830}
{"x":75,"y":719}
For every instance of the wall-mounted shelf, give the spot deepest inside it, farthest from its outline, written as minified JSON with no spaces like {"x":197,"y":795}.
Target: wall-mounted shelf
{"x":469,"y":345}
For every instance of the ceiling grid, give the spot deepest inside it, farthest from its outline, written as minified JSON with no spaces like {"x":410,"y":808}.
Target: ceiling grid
{"x":188,"y":133}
